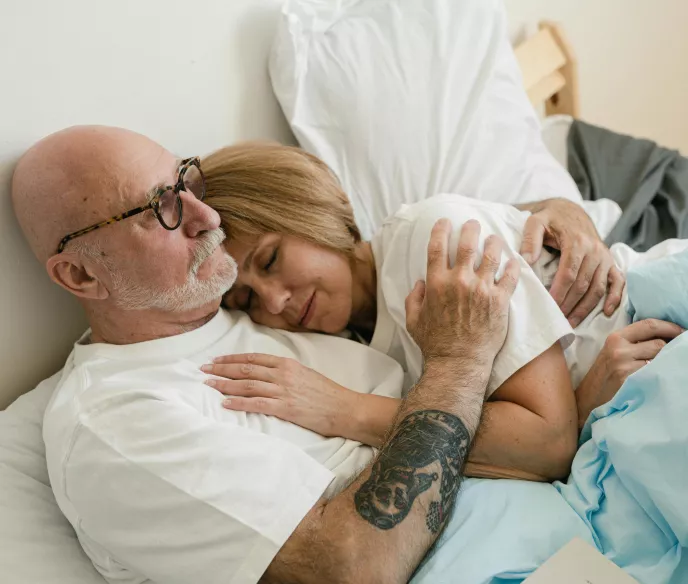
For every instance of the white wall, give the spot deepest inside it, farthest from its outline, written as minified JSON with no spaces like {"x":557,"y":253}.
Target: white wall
{"x":191,"y":75}
{"x":633,"y":60}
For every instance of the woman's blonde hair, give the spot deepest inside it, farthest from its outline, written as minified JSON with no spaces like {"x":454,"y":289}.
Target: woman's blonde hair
{"x":263,"y":187}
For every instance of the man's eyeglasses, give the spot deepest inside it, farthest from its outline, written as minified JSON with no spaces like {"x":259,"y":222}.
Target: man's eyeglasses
{"x":165,"y":203}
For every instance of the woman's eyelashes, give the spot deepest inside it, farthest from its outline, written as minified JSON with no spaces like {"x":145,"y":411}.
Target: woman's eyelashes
{"x":271,"y":261}
{"x":251,"y":295}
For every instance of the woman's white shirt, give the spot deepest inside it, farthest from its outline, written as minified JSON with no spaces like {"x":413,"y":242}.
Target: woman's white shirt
{"x":400,"y":250}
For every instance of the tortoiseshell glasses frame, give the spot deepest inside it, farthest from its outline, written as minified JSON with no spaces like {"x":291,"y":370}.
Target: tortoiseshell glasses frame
{"x":154,"y":203}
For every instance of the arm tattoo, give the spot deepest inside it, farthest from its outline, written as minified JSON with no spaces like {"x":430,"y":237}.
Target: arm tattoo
{"x":408,"y":466}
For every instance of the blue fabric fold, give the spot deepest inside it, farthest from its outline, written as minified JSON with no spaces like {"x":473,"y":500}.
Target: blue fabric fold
{"x":628,"y":489}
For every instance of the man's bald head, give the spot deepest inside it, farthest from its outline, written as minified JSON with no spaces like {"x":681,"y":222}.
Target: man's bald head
{"x":77,"y":177}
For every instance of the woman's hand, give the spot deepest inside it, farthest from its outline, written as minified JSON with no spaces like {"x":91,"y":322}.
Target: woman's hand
{"x":275,"y":386}
{"x":587,"y":270}
{"x":624,"y":352}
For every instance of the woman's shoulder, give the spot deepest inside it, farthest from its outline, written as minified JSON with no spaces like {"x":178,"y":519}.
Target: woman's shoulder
{"x":452,"y":205}
{"x":417,"y":220}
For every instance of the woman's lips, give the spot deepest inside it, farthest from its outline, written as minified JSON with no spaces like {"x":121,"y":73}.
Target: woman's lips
{"x":308,"y":312}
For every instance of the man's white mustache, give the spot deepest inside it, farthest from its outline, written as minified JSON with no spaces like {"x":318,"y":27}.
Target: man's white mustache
{"x":207,"y":244}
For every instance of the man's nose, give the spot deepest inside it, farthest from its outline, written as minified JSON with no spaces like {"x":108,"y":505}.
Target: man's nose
{"x":197,"y":217}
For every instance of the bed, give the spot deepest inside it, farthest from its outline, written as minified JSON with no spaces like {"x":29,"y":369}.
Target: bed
{"x":37,"y":543}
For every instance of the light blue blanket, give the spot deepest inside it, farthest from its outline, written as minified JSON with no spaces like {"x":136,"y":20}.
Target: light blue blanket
{"x":628,"y":489}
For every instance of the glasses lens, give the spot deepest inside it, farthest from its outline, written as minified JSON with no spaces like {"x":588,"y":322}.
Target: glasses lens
{"x":169,"y":209}
{"x":194,"y":182}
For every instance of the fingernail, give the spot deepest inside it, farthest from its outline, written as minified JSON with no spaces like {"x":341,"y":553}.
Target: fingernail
{"x":207,"y":368}
{"x":574,"y":322}
{"x":528,"y":257}
{"x":210,"y":382}
{"x":226,"y":402}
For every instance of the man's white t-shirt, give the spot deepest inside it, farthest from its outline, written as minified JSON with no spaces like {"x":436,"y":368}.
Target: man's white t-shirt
{"x":163,"y":484}
{"x":400,"y":250}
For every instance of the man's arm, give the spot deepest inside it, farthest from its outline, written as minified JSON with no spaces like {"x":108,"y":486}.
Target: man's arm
{"x":381,"y":526}
{"x":587,"y":270}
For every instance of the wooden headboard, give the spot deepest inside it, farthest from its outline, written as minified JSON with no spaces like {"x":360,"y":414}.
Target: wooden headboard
{"x":550,"y":71}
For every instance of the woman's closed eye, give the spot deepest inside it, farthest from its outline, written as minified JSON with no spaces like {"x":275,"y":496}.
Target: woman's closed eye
{"x":271,"y":261}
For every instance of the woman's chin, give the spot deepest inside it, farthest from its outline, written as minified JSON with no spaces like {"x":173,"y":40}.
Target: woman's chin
{"x":332,"y":325}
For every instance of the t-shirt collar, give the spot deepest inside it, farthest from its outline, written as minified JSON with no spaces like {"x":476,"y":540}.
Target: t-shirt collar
{"x":175,"y":346}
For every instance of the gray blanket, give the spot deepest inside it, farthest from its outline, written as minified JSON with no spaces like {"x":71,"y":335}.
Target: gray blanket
{"x":649,"y":182}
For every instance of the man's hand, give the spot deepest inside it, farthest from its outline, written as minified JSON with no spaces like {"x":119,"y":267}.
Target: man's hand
{"x":462,"y":313}
{"x":587,"y":271}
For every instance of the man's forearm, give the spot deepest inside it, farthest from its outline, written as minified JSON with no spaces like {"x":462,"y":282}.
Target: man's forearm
{"x":408,"y":493}
{"x":380,"y":527}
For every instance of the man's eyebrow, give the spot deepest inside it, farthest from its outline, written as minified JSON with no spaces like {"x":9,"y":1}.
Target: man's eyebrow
{"x":150,"y":193}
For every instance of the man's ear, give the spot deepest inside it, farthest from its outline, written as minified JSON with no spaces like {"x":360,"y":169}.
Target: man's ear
{"x":77,"y":276}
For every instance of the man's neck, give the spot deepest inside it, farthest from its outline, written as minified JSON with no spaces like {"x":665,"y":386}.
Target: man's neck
{"x":119,"y":327}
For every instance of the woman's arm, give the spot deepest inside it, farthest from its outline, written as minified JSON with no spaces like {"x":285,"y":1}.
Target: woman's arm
{"x":530,"y":423}
{"x":372,"y":416}
{"x":528,"y":430}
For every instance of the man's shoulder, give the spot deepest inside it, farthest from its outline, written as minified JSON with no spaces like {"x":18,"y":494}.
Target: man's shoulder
{"x":105,"y":396}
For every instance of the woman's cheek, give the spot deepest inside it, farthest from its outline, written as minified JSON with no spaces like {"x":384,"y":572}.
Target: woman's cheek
{"x":337,"y":319}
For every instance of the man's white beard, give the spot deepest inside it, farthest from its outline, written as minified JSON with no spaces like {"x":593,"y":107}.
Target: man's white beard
{"x":193,"y":294}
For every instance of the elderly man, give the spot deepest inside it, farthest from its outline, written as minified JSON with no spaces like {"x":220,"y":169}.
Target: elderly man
{"x":163,"y":484}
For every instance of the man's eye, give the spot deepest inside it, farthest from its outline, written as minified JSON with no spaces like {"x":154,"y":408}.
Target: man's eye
{"x":271,"y":261}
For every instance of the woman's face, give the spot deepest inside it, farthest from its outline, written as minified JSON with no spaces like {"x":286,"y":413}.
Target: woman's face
{"x":289,"y":283}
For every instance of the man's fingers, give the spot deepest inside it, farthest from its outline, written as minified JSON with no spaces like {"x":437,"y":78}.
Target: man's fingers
{"x":438,"y":256}
{"x":467,"y":251}
{"x":617,"y":283}
{"x":569,"y":266}
{"x":492,"y":258}
{"x":651,"y":328}
{"x":580,"y":287}
{"x":414,"y":304}
{"x":509,"y":279}
{"x":255,"y":358}
{"x":595,"y":293}
{"x":533,"y":239}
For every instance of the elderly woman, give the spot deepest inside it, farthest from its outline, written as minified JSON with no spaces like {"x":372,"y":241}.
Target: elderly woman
{"x":304,"y":267}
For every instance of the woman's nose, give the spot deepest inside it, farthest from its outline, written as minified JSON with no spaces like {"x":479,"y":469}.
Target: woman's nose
{"x":275,"y":298}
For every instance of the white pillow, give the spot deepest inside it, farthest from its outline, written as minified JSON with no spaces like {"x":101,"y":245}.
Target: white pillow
{"x":37,"y":543}
{"x":405,"y":99}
